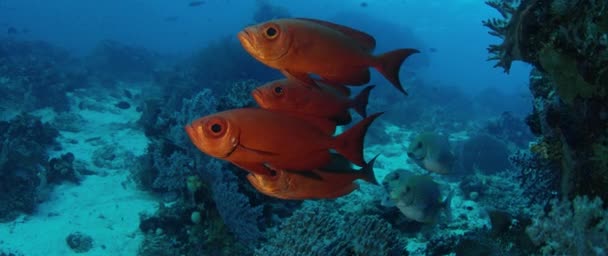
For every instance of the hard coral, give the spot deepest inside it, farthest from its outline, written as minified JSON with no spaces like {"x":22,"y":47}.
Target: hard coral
{"x":577,"y":227}
{"x":24,"y":142}
{"x":567,"y":43}
{"x":319,"y":229}
{"x":35,"y":75}
{"x":519,"y":19}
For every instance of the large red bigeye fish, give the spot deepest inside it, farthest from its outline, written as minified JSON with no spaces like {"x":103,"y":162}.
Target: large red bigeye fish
{"x":339,"y":55}
{"x":290,"y":96}
{"x":254,"y":138}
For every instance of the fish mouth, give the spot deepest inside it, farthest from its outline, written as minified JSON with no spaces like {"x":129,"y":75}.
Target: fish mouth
{"x":190,"y":131}
{"x":246,"y":40}
{"x":257,"y":96}
{"x":413,"y":156}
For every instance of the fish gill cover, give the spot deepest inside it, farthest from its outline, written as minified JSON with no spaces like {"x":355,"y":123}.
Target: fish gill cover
{"x":95,"y":160}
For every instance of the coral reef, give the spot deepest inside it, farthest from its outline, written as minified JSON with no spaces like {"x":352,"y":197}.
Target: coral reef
{"x":223,"y":62}
{"x":111,"y":61}
{"x":36,"y":75}
{"x":173,"y":231}
{"x":510,"y":129}
{"x":319,"y":229}
{"x":24,"y":142}
{"x":539,"y":177}
{"x":569,"y":49}
{"x":577,"y":227}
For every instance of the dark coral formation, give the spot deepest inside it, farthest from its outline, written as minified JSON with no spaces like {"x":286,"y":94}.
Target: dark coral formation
{"x":509,"y":128}
{"x":36,"y":75}
{"x":24,"y":142}
{"x":318,"y":229}
{"x":567,"y":43}
{"x":486,"y":154}
{"x":112,"y":61}
{"x":188,"y":229}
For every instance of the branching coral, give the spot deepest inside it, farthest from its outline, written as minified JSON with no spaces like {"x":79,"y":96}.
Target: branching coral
{"x":539,"y":177}
{"x":318,"y":229}
{"x":577,"y":227}
{"x":518,"y":19}
{"x":239,"y":216}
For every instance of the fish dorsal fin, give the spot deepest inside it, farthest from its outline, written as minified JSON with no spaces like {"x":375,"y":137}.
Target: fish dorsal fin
{"x":367,"y":41}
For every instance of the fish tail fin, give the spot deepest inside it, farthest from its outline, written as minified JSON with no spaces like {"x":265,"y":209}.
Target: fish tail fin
{"x":390,"y":63}
{"x":359,"y":103}
{"x":350,"y":143}
{"x":368,"y":171}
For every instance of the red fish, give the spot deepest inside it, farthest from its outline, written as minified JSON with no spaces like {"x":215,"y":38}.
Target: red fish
{"x":252,"y":138}
{"x":288,"y":95}
{"x":336,"y":179}
{"x":338,"y":54}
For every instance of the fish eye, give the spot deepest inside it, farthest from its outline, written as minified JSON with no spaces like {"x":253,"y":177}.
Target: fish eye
{"x":419,"y":145}
{"x":407,"y":189}
{"x":278,"y":90}
{"x":216,"y":127}
{"x":271,"y":32}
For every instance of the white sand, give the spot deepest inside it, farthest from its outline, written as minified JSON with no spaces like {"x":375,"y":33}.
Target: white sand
{"x":106,"y":207}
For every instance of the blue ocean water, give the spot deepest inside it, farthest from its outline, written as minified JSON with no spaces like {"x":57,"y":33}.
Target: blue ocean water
{"x":94,"y":158}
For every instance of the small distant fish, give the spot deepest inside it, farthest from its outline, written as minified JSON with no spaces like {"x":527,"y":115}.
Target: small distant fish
{"x":12,"y":31}
{"x":196,"y":3}
{"x":334,"y":180}
{"x":338,"y":54}
{"x":433,"y":49}
{"x":123,"y":105}
{"x":432,"y":152}
{"x":363,"y":4}
{"x":417,"y":196}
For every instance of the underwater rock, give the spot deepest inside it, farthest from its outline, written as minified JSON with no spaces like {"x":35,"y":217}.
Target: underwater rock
{"x":123,"y":105}
{"x":62,"y":168}
{"x":485,"y":153}
{"x":79,"y":242}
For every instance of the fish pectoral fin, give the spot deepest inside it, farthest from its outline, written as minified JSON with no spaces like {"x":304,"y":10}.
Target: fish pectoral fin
{"x":258,"y":151}
{"x":307,"y":174}
{"x":302,"y":77}
{"x":256,"y":168}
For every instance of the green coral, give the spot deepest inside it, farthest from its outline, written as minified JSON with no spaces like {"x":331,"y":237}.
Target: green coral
{"x":562,"y":68}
